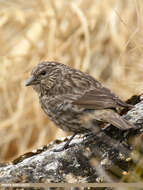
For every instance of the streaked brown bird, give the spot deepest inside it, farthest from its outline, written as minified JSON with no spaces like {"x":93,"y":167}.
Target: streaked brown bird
{"x":75,"y":101}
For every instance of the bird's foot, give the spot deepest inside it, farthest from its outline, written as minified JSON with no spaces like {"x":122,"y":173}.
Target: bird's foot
{"x":60,"y":149}
{"x":66,"y":145}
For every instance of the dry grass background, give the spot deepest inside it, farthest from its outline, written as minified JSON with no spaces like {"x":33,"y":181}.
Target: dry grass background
{"x":103,"y":38}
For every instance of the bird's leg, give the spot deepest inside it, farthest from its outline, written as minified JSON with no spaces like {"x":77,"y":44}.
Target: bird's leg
{"x":67,"y":144}
{"x":69,"y":140}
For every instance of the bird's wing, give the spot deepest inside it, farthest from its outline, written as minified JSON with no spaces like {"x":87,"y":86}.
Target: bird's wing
{"x":99,"y":98}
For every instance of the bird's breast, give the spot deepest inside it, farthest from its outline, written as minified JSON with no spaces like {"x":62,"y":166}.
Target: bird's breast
{"x":63,"y":114}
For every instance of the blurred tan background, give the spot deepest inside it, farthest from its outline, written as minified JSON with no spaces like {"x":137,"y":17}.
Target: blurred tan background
{"x":103,"y":38}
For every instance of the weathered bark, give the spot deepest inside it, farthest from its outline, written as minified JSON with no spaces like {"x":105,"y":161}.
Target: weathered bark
{"x":102,"y":157}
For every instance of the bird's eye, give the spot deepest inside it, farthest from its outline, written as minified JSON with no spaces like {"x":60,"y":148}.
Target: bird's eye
{"x":43,"y":73}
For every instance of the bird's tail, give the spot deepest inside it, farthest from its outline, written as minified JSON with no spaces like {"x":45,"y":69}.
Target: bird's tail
{"x":113,"y":118}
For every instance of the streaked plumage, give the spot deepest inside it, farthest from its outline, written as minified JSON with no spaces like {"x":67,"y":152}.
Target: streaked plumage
{"x":74,"y":100}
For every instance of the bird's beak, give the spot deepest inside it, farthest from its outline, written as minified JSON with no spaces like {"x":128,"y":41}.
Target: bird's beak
{"x":30,"y":81}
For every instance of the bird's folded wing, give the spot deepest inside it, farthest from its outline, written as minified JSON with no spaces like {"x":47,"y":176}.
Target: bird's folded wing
{"x":100,"y":98}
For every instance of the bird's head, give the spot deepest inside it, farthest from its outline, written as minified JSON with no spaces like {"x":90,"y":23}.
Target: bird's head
{"x":44,"y":75}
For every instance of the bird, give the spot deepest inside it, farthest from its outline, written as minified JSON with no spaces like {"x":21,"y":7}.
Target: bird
{"x":74,"y":100}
